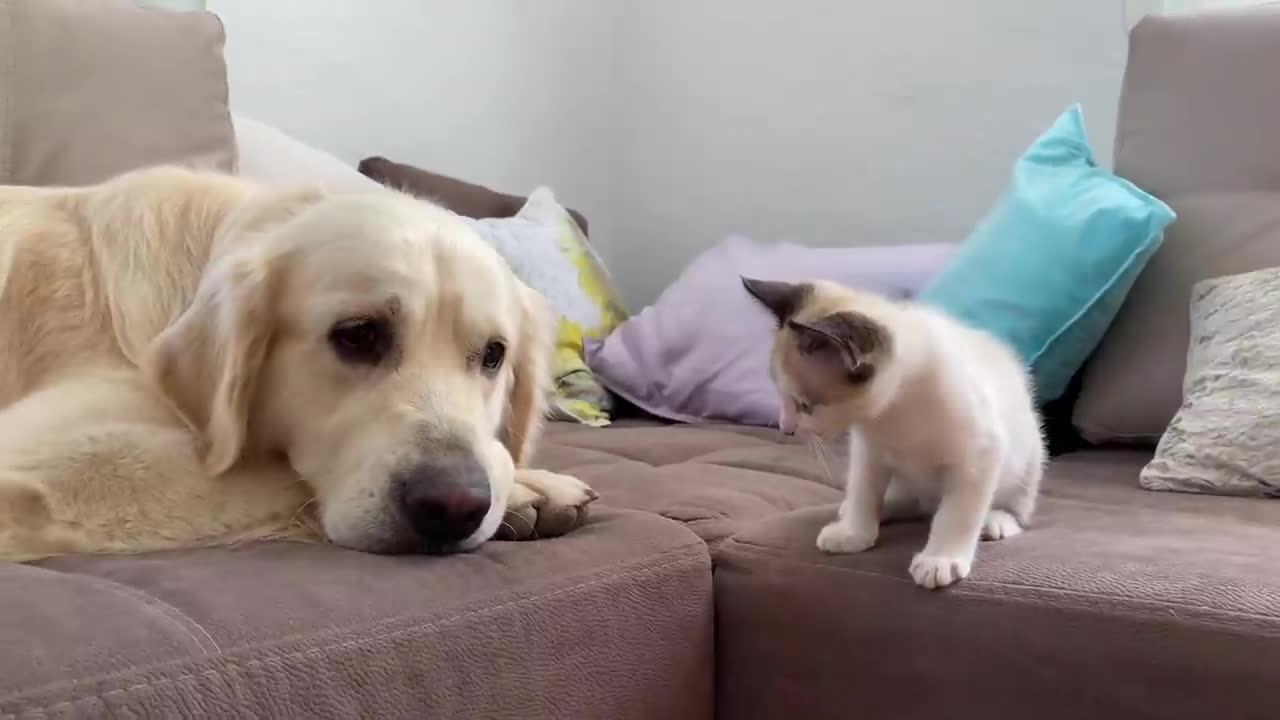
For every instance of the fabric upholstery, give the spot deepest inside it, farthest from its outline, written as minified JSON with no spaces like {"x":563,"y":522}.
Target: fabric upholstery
{"x":716,"y":478}
{"x":92,"y":89}
{"x":614,"y":620}
{"x":1196,"y":128}
{"x":1117,"y":603}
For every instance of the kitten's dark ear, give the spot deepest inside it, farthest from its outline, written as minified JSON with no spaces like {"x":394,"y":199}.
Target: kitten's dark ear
{"x":783,"y":299}
{"x":846,"y":337}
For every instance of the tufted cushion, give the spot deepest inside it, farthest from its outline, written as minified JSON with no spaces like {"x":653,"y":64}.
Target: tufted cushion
{"x":1118,"y":602}
{"x":612,"y":621}
{"x":1151,"y":604}
{"x":716,"y":478}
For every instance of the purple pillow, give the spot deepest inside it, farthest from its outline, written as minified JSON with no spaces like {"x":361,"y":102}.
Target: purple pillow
{"x":701,"y":352}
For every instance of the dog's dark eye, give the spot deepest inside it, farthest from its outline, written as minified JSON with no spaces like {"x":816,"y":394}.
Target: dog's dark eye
{"x":360,"y":340}
{"x":804,"y":407}
{"x":494,"y":352}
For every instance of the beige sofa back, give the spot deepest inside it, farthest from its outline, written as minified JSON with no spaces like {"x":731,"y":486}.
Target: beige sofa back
{"x":90,"y":89}
{"x":1199,"y":127}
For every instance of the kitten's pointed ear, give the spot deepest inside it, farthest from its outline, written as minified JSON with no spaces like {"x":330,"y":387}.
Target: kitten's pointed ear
{"x":782,"y":299}
{"x":849,"y":338}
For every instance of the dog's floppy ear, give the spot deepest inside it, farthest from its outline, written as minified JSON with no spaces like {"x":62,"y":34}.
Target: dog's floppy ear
{"x":207,"y":362}
{"x":531,"y":368}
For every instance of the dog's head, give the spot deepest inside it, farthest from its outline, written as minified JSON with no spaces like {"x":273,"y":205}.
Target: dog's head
{"x":380,"y":346}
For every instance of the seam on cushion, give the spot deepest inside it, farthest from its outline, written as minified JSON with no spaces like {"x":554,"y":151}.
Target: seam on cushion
{"x":818,"y":483}
{"x":693,"y":459}
{"x":1161,"y":511}
{"x":235,"y":663}
{"x":617,"y":456}
{"x":1079,"y":598}
{"x":170,"y":612}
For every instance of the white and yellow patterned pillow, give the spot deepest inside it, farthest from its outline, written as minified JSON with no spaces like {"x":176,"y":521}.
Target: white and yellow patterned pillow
{"x":550,"y":253}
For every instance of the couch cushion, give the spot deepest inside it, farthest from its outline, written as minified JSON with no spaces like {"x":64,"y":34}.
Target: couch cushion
{"x":613,"y":620}
{"x":716,"y":477}
{"x":1197,"y":129}
{"x":1118,"y":602}
{"x":92,"y":89}
{"x":460,"y":196}
{"x":269,"y":155}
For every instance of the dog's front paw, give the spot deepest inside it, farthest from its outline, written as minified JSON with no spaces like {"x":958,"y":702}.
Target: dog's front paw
{"x":937,"y":571}
{"x":845,"y":538}
{"x":544,"y":504}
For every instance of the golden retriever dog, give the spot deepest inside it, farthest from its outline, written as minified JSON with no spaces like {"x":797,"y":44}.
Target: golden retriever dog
{"x":190,"y":359}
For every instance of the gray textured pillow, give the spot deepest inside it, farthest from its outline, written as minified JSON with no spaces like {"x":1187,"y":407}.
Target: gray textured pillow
{"x":1223,"y":440}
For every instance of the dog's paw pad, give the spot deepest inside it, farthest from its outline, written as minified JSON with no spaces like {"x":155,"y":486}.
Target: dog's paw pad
{"x":544,"y":505}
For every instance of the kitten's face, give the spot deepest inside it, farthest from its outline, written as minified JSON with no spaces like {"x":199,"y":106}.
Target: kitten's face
{"x":828,"y":354}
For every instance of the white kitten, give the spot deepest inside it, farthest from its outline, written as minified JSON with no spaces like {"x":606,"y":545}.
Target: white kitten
{"x":940,"y":417}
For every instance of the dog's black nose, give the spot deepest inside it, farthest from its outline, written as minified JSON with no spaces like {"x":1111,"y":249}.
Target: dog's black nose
{"x":444,"y":499}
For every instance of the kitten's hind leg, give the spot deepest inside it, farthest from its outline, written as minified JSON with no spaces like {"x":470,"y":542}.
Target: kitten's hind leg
{"x":1020,"y":501}
{"x":1000,"y":524}
{"x":901,"y":503}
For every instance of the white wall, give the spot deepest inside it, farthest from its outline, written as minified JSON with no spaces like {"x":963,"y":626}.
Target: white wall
{"x":833,"y":122}
{"x":507,"y":93}
{"x":671,"y":123}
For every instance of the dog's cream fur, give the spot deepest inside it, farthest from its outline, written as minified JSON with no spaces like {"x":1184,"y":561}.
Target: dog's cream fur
{"x":165,"y":379}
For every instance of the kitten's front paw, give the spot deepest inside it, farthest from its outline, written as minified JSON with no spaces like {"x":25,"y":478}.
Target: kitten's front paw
{"x":937,"y":571}
{"x":1000,"y":525}
{"x":844,"y":538}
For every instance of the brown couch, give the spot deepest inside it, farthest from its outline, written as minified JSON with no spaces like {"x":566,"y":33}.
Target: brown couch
{"x":695,"y":591}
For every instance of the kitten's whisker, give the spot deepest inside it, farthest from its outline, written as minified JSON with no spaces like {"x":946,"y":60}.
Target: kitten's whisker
{"x":818,"y":451}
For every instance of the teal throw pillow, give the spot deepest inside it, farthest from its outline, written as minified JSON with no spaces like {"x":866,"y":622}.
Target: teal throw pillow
{"x":1049,"y":266}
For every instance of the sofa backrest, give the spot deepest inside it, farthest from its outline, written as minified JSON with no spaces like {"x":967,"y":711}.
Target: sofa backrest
{"x":89,"y":90}
{"x":1199,"y":127}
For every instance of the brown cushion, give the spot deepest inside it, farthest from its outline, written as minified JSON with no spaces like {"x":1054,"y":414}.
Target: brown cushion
{"x":92,"y":89}
{"x":1197,"y":123}
{"x":1118,"y":603}
{"x":716,"y":478}
{"x":613,"y":620}
{"x":464,"y":198}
